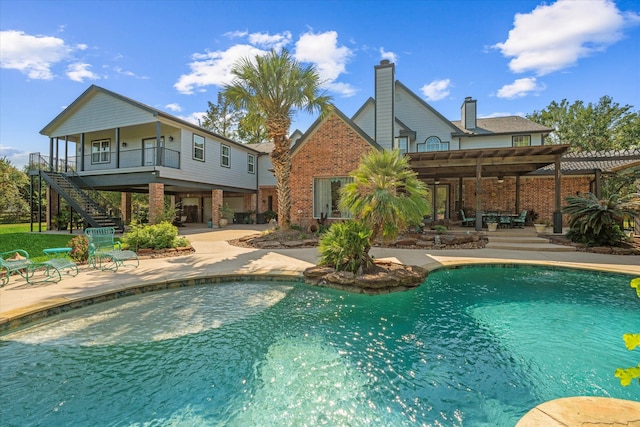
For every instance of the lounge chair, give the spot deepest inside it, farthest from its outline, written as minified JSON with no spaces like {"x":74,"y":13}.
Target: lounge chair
{"x":18,"y":261}
{"x":466,"y":222}
{"x":520,"y":220}
{"x":105,"y":253}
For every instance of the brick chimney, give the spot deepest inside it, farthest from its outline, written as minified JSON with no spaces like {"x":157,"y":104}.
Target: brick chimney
{"x":385,"y":95}
{"x":469,"y":113}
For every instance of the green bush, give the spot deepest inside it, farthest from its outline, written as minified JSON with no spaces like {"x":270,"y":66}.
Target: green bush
{"x":157,"y":236}
{"x":596,"y":222}
{"x":79,"y":248}
{"x":345,"y":246}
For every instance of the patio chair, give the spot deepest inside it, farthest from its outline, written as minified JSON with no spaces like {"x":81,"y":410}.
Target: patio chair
{"x":504,"y":221}
{"x":18,"y":261}
{"x":15,"y":261}
{"x":105,"y":253}
{"x":466,"y":222}
{"x":519,"y":220}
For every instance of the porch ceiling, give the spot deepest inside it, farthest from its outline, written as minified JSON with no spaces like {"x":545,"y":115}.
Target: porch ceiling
{"x":503,"y":161}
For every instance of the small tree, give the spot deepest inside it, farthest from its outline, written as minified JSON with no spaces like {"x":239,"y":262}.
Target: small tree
{"x":385,"y":194}
{"x":597,"y":222}
{"x":385,"y":197}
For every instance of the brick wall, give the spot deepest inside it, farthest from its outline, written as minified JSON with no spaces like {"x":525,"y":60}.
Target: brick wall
{"x":536,"y":193}
{"x":156,"y":201}
{"x":334,"y":149}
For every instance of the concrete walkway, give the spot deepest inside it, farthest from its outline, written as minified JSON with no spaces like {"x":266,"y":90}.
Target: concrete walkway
{"x":215,"y":257}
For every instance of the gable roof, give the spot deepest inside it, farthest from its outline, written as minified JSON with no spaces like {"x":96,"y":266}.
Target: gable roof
{"x":93,"y":90}
{"x":501,"y":125}
{"x":400,"y":85}
{"x":301,"y":141}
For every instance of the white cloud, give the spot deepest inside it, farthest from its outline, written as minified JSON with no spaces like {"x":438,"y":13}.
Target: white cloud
{"x":78,"y":72}
{"x":173,"y":107}
{"x":500,"y":114}
{"x":235,"y":34}
{"x":388,"y":55}
{"x":520,"y":88}
{"x":276,"y":41}
{"x":214,"y":68}
{"x":436,"y":90}
{"x":321,"y":50}
{"x":554,"y":37}
{"x":194,"y":118}
{"x":16,"y":156}
{"x":330,"y":60}
{"x":32,"y":55}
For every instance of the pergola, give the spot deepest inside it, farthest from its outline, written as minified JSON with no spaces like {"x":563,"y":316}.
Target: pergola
{"x":492,"y":162}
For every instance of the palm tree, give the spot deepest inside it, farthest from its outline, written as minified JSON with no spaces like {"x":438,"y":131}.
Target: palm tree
{"x":598,"y":221}
{"x":272,"y":86}
{"x":385,"y":194}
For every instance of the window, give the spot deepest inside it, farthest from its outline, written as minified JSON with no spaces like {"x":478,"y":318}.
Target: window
{"x":402,"y":143}
{"x":433,"y":143}
{"x":521,"y":140}
{"x":101,"y":151}
{"x":225,"y":156}
{"x":251,"y":163}
{"x":198,"y":147}
{"x":326,"y":193}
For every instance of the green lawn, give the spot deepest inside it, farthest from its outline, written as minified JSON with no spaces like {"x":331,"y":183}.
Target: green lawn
{"x":18,"y":236}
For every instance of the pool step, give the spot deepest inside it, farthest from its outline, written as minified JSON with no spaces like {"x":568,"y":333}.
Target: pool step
{"x":525,"y":243}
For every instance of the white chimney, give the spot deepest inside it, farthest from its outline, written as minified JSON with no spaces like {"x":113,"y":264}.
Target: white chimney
{"x":385,"y":95}
{"x":469,"y":113}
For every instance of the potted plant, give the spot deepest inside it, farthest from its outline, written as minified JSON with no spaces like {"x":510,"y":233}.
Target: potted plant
{"x":226,"y":215}
{"x":492,"y":226}
{"x":541,"y":226}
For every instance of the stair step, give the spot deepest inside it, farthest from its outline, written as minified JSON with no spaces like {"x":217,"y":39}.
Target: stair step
{"x":539,"y":247}
{"x":523,"y":239}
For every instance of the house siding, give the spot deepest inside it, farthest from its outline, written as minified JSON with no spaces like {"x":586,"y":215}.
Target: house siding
{"x":333,"y":150}
{"x":384,"y":112}
{"x":102,"y":111}
{"x":421,"y":120}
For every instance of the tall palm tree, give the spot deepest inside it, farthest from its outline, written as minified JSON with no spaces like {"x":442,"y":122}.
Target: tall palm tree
{"x":273,"y":86}
{"x":385,"y":194}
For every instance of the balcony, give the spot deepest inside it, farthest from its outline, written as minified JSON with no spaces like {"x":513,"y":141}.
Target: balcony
{"x":107,"y":160}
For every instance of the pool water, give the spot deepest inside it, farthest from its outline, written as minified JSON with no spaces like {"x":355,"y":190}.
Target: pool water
{"x":470,"y":347}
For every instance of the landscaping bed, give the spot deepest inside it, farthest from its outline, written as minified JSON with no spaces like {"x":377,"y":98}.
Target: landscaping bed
{"x":625,"y":248}
{"x":411,"y":240}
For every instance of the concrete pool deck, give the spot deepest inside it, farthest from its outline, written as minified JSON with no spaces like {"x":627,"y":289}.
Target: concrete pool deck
{"x":215,"y":257}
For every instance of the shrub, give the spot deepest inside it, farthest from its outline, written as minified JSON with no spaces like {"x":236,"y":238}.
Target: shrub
{"x":345,"y":246}
{"x":595,"y":222}
{"x":157,"y":236}
{"x":79,"y":248}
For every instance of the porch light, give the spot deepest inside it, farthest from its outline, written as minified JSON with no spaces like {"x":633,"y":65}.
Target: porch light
{"x":436,"y":181}
{"x":500,"y":179}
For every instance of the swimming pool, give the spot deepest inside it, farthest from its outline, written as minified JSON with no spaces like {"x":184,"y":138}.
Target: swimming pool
{"x":470,"y":347}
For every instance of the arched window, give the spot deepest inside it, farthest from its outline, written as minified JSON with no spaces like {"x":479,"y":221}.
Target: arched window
{"x":433,"y":143}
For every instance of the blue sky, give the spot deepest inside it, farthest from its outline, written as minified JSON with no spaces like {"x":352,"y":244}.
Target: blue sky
{"x":513,"y":56}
